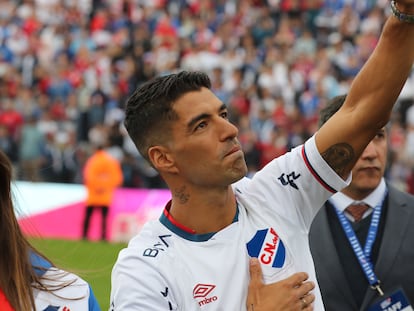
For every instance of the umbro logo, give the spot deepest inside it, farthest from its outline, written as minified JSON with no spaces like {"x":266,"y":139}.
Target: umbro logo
{"x":201,"y":293}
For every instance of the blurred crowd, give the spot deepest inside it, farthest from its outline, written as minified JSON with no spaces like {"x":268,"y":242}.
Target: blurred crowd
{"x":67,"y":67}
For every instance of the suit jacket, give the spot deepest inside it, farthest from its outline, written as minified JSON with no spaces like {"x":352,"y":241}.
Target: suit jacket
{"x":395,"y":262}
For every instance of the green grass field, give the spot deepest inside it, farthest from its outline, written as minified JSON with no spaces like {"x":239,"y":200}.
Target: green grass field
{"x":92,"y":261}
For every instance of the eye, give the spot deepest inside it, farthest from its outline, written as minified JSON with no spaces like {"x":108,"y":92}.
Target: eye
{"x":201,"y":125}
{"x":224,"y":115}
{"x":380,"y":135}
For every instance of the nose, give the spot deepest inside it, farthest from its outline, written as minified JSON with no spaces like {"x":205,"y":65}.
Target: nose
{"x":228,"y":130}
{"x":370,"y":151}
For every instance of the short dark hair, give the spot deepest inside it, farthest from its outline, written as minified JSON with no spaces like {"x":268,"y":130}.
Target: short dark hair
{"x":331,"y":107}
{"x":149,"y":110}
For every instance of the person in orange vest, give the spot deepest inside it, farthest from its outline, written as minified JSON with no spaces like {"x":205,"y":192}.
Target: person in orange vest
{"x":102,"y":174}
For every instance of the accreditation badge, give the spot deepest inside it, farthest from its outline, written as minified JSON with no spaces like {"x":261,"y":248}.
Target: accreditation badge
{"x":397,"y":301}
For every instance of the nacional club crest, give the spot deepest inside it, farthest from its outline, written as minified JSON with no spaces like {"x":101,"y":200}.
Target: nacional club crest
{"x":267,"y":246}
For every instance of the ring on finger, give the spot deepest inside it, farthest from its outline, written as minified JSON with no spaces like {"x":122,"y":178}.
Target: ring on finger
{"x":304,"y":303}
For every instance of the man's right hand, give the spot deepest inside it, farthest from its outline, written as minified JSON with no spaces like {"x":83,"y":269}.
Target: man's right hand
{"x":291,"y":294}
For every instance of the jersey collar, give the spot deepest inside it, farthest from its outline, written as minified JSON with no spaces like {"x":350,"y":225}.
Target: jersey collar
{"x":186,"y":233}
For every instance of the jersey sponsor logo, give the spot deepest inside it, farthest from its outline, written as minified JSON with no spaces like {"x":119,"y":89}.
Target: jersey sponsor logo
{"x":201,"y":293}
{"x":267,"y":246}
{"x":289,"y":179}
{"x":157,"y":247}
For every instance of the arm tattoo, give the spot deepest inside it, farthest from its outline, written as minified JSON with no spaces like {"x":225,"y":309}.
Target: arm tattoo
{"x":339,"y":157}
{"x":181,"y":195}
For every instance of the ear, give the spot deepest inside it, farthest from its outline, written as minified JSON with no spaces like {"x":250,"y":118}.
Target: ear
{"x":162,"y":159}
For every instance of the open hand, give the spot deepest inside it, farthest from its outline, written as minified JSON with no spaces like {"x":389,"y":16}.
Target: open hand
{"x":291,"y":294}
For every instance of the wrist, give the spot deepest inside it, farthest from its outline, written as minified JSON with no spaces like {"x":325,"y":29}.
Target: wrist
{"x":403,"y":12}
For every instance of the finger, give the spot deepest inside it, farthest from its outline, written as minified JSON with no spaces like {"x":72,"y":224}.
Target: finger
{"x":255,"y":271}
{"x":305,"y":288}
{"x":308,"y":308}
{"x":297,"y":279}
{"x":306,"y":302}
{"x":308,"y":299}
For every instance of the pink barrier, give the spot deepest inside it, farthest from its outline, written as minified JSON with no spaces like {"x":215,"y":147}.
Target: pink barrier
{"x":130,"y":209}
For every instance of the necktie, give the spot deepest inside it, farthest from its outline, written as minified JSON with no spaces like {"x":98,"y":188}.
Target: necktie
{"x":357,"y":210}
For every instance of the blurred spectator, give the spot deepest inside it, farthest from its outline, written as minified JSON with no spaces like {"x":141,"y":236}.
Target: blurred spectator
{"x":10,"y":117}
{"x":275,"y":147}
{"x":60,"y":162}
{"x":72,"y":64}
{"x":31,"y":150}
{"x":8,"y":144}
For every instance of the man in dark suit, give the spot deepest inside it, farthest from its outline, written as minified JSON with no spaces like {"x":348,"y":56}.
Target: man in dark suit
{"x":388,"y":219}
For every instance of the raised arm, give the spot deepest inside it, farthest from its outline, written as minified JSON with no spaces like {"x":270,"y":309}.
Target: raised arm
{"x":372,"y":94}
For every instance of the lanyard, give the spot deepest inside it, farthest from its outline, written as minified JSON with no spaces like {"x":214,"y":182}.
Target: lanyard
{"x":364,"y":255}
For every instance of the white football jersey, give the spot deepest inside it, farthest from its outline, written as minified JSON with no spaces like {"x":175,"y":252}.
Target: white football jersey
{"x":77,"y":295}
{"x":167,"y":268}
